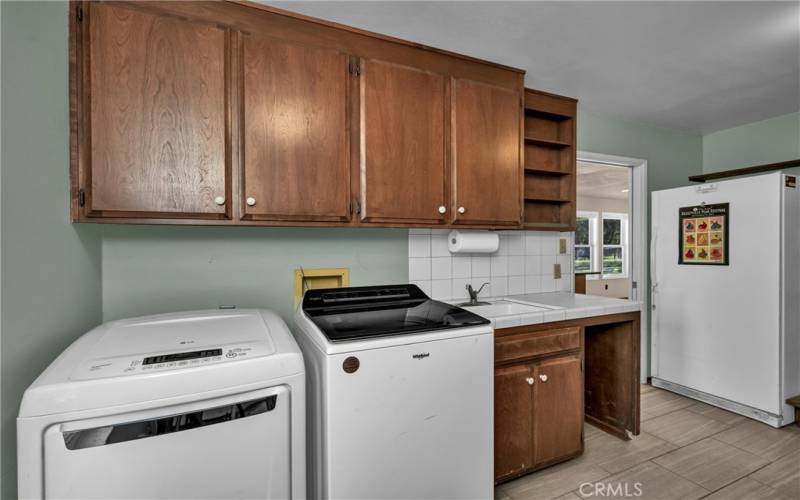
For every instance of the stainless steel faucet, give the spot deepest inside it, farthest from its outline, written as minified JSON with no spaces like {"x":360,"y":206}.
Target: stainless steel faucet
{"x":473,"y":296}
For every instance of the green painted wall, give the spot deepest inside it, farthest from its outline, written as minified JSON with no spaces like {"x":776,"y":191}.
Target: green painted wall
{"x":672,"y":155}
{"x":150,"y":269}
{"x":768,"y":141}
{"x":50,"y":268}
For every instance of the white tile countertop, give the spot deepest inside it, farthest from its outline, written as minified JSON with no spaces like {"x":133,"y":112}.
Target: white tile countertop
{"x":554,"y":306}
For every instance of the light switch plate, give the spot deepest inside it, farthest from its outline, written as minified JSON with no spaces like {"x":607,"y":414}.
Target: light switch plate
{"x":557,"y":271}
{"x":562,"y":246}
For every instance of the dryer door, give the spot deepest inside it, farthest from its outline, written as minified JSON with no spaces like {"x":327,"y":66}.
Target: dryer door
{"x":231,"y":447}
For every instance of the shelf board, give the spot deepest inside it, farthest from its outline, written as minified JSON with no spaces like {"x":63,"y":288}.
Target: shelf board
{"x":539,"y":199}
{"x":545,"y":171}
{"x":756,"y":169}
{"x":547,"y":114}
{"x":547,"y":143}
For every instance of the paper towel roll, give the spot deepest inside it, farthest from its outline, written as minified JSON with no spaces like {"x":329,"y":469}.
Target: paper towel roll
{"x":472,"y":242}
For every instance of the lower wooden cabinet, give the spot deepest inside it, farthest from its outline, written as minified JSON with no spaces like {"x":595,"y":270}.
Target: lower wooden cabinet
{"x":550,"y":377}
{"x":538,"y":414}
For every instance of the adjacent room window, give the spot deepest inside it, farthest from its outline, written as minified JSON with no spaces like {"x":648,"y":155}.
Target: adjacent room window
{"x":615,"y":245}
{"x":585,"y":241}
{"x":602,"y":247}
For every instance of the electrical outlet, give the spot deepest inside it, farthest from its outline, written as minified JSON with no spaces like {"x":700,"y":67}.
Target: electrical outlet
{"x":557,"y":271}
{"x":562,"y":246}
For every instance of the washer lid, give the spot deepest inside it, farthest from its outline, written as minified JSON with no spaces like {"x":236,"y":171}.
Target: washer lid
{"x":169,"y":356}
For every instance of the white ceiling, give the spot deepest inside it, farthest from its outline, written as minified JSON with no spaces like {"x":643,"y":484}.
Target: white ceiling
{"x":696,"y":66}
{"x":603,"y":181}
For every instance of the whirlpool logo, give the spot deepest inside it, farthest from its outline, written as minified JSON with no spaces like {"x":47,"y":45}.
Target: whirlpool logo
{"x":421,"y":355}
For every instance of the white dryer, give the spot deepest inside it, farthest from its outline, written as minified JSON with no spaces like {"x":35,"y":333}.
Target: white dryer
{"x":207,"y":404}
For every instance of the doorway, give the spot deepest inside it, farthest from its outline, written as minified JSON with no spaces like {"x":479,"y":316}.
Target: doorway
{"x":602,"y":234}
{"x":611,"y":234}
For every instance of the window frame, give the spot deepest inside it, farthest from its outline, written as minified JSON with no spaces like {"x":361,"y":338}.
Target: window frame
{"x":624,"y":235}
{"x":593,"y":218}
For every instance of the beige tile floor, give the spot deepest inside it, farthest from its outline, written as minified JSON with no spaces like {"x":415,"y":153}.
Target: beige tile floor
{"x":686,"y":450}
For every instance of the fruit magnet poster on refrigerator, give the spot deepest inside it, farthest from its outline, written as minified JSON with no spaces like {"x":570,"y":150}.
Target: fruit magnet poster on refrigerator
{"x":704,"y":234}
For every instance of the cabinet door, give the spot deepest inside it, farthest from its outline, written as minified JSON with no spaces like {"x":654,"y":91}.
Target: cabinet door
{"x":402,"y":144}
{"x":558,"y":403}
{"x":487,"y":170}
{"x":513,"y":413}
{"x":157,"y":130}
{"x":295,"y":132}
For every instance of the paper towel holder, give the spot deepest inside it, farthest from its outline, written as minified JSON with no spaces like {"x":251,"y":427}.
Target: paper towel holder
{"x":472,"y":241}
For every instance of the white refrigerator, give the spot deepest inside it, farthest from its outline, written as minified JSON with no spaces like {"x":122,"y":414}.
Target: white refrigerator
{"x":725,"y":277}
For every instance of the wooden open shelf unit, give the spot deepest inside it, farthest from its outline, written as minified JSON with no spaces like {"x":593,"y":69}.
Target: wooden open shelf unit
{"x":550,"y":157}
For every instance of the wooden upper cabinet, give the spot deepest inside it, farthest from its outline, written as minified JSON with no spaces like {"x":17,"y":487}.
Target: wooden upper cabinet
{"x":558,"y":420}
{"x":402,"y":126}
{"x":295,"y":132}
{"x":154,"y":134}
{"x":513,"y":420}
{"x":487,"y":169}
{"x":238,"y":113}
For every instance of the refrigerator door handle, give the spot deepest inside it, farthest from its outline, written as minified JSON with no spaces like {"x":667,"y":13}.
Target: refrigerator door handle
{"x":653,"y":272}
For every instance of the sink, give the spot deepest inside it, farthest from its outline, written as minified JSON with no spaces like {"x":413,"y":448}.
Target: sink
{"x":504,"y":308}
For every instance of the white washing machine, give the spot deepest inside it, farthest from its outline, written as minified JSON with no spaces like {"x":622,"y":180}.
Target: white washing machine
{"x":400,"y":395}
{"x":207,"y":404}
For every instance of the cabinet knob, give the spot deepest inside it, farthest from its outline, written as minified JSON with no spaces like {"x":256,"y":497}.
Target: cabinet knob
{"x":442,"y":209}
{"x":219,"y":200}
{"x":543,"y":378}
{"x":529,"y":380}
{"x":461,"y":210}
{"x":250,"y":201}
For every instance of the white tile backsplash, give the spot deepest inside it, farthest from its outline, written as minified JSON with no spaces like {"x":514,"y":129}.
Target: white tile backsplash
{"x":516,"y":243}
{"x":516,"y":285}
{"x":523,"y":264}
{"x":498,"y":266}
{"x":439,"y":244}
{"x":481,"y":266}
{"x":441,"y":289}
{"x":419,"y":269}
{"x":516,"y":264}
{"x":499,"y":286}
{"x":441,"y":268}
{"x":419,"y":245}
{"x":462,"y":266}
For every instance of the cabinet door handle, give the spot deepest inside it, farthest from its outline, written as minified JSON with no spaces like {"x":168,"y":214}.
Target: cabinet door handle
{"x":442,"y":209}
{"x":529,"y":380}
{"x":543,"y":378}
{"x":250,"y":201}
{"x":219,"y":200}
{"x":461,"y":210}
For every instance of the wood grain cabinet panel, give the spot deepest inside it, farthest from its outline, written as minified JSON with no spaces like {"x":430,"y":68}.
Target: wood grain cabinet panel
{"x":402,"y":144}
{"x":157,"y":117}
{"x":558,"y":421}
{"x":295,"y":129}
{"x":487,"y":171}
{"x":513,"y":410}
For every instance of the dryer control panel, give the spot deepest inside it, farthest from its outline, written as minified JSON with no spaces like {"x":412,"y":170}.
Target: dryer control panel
{"x":153,"y":362}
